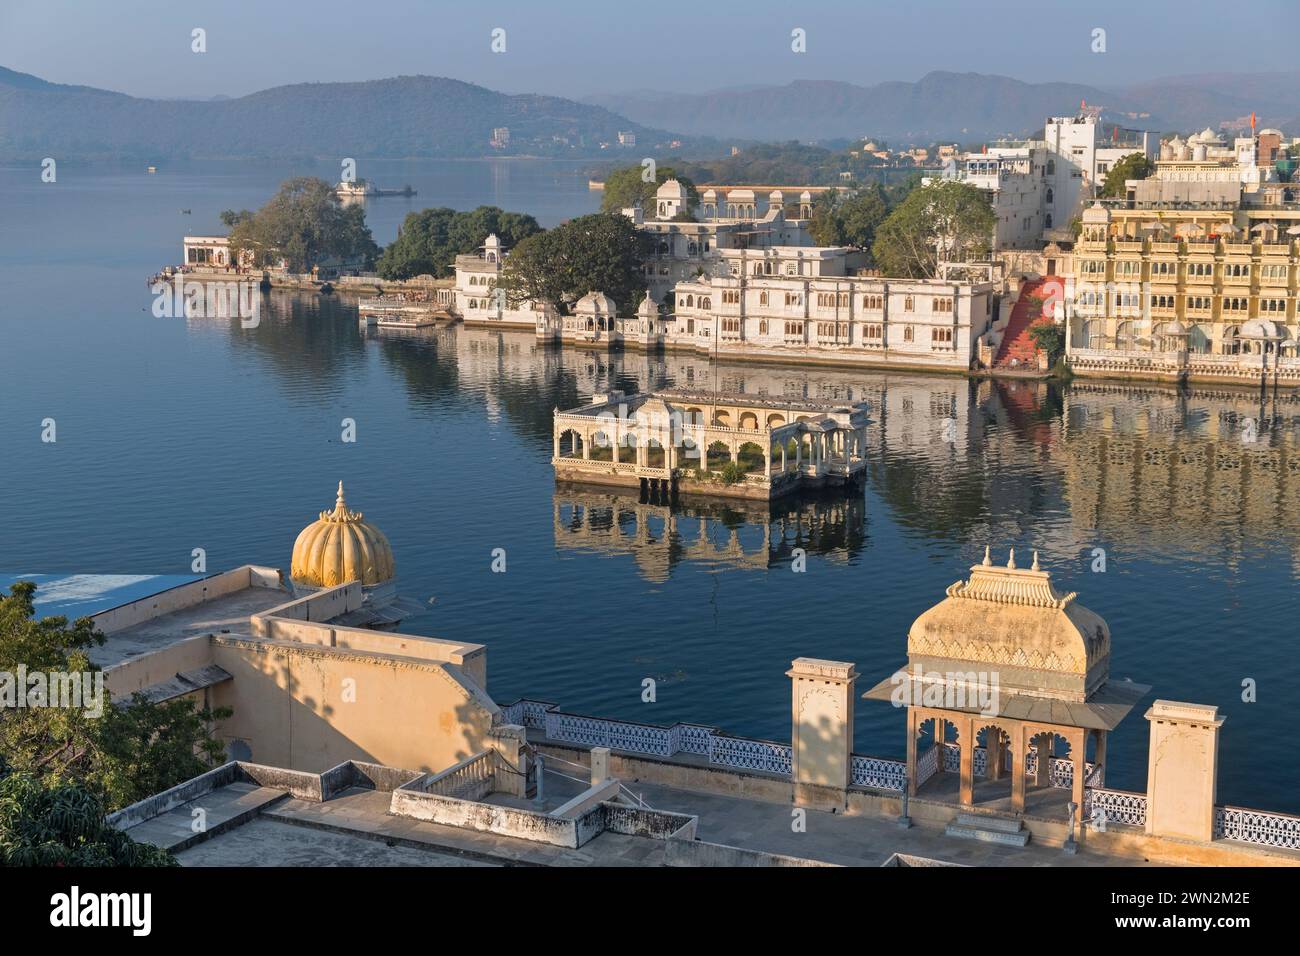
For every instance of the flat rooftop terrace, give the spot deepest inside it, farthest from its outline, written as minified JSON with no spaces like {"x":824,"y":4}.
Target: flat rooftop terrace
{"x":222,"y":614}
{"x":268,"y":822}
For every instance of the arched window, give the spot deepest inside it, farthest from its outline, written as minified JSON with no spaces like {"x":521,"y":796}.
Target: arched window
{"x":1049,"y":195}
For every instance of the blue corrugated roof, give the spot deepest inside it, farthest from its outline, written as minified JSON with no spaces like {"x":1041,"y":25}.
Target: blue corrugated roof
{"x":84,"y":595}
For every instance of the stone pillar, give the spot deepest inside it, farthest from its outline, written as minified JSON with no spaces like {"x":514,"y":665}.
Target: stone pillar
{"x":1182,"y":769}
{"x":967,"y":741}
{"x":913,"y":720}
{"x":510,"y":741}
{"x":993,"y":753}
{"x":1019,"y":756}
{"x":1043,"y":770}
{"x":821,"y":742}
{"x":1079,"y":756}
{"x":599,"y":765}
{"x":1099,"y":755}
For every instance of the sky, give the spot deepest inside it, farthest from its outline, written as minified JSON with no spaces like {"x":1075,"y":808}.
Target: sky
{"x":576,"y":48}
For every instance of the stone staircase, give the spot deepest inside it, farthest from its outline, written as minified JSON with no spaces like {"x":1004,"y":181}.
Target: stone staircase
{"x":1005,"y":831}
{"x":1017,"y":344}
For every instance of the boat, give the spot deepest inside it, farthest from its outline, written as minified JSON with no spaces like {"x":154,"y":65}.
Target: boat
{"x":362,"y":189}
{"x":397,"y":321}
{"x":151,"y":169}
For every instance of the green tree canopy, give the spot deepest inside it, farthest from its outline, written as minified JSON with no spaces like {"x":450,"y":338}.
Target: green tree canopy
{"x":851,"y":219}
{"x":602,"y":252}
{"x":430,"y":240}
{"x":946,"y":220}
{"x":1132,"y":166}
{"x":126,"y":752}
{"x":306,"y":224}
{"x":626,"y":187}
{"x":63,"y":825}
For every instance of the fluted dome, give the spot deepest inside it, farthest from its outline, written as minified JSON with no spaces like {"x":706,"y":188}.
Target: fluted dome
{"x":339,"y":547}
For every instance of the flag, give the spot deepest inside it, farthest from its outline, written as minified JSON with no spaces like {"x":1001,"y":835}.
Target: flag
{"x":1252,"y":121}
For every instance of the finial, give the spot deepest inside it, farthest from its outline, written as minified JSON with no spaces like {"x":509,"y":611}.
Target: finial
{"x":988,"y":559}
{"x":340,"y":512}
{"x":1035,"y":567}
{"x":1011,"y":561}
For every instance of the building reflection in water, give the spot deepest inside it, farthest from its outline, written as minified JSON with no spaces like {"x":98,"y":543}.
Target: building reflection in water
{"x":660,"y":535}
{"x":1187,"y":472}
{"x":1194,"y":474}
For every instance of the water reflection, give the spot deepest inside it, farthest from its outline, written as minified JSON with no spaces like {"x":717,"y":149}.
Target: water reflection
{"x":1190,"y":473}
{"x":660,"y":535}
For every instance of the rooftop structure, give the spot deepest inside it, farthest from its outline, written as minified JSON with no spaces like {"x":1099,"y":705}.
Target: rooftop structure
{"x":378,"y":736}
{"x":1007,"y":657}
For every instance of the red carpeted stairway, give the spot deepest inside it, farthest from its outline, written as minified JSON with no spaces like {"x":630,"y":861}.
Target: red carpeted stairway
{"x":1033,"y":306}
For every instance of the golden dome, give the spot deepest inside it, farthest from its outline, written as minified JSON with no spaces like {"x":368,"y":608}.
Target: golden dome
{"x":340,"y":547}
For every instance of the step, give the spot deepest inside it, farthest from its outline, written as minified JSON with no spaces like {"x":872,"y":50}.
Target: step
{"x":987,"y":836}
{"x":985,"y":822}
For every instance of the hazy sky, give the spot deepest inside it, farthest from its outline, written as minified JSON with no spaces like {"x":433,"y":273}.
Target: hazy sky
{"x":576,"y":47}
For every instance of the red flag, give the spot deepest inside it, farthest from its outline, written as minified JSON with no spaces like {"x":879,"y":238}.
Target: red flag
{"x":1083,"y":104}
{"x":1252,"y":121}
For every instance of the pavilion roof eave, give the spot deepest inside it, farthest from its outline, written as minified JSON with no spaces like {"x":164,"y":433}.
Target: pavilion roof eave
{"x":1102,"y":711}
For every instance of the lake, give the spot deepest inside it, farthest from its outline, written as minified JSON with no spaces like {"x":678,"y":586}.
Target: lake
{"x":175,"y":434}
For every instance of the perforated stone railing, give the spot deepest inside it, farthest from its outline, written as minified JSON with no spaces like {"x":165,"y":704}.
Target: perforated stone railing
{"x":745,"y":754}
{"x":615,"y":734}
{"x":1258,"y":827}
{"x":1118,"y":806}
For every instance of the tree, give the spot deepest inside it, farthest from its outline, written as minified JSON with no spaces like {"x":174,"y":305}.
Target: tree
{"x":430,"y":240}
{"x":121,"y":754}
{"x":626,"y":187}
{"x":1050,"y":338}
{"x":849,"y":219}
{"x":602,"y":252}
{"x":63,"y":825}
{"x":305,"y":224}
{"x":948,"y":221}
{"x":1132,"y":166}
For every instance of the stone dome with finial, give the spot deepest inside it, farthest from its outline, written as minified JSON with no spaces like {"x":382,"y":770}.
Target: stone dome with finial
{"x":1011,"y":621}
{"x":340,"y":547}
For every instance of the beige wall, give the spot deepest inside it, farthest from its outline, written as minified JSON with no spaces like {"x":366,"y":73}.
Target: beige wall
{"x":308,"y":708}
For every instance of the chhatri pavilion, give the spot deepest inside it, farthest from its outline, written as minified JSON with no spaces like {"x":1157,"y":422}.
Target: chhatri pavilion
{"x":1007,"y":658}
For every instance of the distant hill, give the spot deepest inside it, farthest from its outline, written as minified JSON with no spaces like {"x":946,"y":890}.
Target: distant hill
{"x":940,"y":106}
{"x":406,"y":116}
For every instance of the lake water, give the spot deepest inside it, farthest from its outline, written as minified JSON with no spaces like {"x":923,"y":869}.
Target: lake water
{"x":175,"y":434}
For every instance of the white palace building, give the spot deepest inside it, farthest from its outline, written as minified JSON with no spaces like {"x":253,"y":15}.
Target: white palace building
{"x":755,"y":288}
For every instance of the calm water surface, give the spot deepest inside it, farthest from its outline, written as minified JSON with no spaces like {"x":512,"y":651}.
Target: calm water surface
{"x":175,"y":434}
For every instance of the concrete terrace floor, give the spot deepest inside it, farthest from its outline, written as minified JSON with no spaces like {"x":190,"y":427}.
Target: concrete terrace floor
{"x":845,"y":840}
{"x":365,"y":813}
{"x":266,"y":841}
{"x":228,"y":613}
{"x":268,"y":828}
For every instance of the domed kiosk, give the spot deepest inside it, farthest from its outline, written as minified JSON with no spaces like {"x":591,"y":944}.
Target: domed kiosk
{"x":340,"y":547}
{"x":1007,"y":657}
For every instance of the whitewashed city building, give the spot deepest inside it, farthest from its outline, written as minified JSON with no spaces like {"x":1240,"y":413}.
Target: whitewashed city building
{"x":478,"y":301}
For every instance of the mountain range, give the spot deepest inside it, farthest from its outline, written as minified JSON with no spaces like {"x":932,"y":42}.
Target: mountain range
{"x":964,"y":107}
{"x":417,"y":116}
{"x":406,"y":116}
